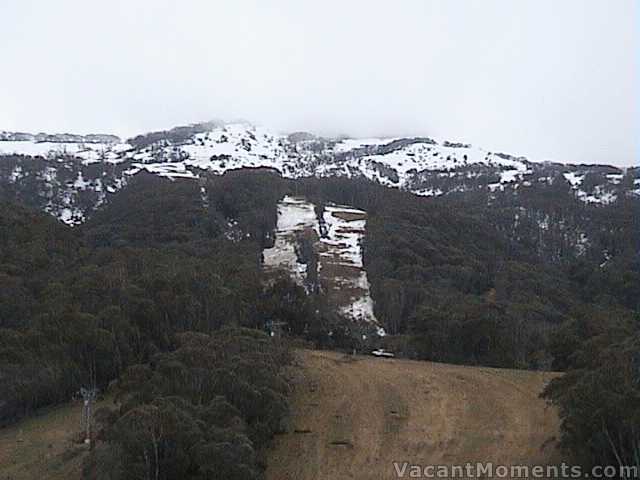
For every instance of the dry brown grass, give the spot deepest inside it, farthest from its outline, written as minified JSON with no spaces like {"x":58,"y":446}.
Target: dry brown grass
{"x":45,"y":446}
{"x":352,"y":419}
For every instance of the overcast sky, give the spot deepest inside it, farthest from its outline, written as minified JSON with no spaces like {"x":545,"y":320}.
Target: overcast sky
{"x":550,"y":79}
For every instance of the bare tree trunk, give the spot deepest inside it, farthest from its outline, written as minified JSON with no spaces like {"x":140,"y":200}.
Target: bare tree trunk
{"x":155,"y":453}
{"x":612,"y":444}
{"x":147,"y":463}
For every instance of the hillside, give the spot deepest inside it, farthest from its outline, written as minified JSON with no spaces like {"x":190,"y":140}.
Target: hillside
{"x":352,"y":417}
{"x":150,"y":290}
{"x":47,"y":445}
{"x":72,"y":175}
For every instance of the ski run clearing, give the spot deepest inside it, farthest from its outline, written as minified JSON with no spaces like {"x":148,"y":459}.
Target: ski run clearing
{"x":294,"y":216}
{"x":353,"y":416}
{"x":322,"y":250}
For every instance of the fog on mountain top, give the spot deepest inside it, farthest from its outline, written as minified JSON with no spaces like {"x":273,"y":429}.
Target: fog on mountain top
{"x":550,"y":80}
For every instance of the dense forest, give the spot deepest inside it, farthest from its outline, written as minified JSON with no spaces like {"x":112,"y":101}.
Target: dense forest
{"x":200,"y":410}
{"x":126,"y":293}
{"x":162,"y":291}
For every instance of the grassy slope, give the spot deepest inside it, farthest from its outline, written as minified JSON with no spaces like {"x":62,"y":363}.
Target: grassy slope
{"x":354,"y":416}
{"x":43,"y":446}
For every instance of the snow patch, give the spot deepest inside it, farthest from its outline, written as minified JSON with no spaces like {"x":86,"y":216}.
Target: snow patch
{"x":294,"y":215}
{"x":337,"y":238}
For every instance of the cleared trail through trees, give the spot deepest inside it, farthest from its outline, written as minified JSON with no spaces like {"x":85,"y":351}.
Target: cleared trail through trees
{"x":354,"y":416}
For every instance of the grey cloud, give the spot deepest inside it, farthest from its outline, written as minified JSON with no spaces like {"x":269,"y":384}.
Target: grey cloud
{"x":548,"y":79}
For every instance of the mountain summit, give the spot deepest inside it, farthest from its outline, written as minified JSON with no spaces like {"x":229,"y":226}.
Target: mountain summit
{"x":76,"y":173}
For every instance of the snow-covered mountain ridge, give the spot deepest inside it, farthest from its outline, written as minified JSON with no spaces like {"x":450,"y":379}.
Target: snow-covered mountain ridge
{"x":58,"y":137}
{"x":77,"y":173}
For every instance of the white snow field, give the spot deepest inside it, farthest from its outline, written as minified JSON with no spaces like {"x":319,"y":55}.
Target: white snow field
{"x":239,"y":145}
{"x":294,"y":216}
{"x":88,"y":152}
